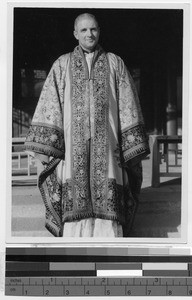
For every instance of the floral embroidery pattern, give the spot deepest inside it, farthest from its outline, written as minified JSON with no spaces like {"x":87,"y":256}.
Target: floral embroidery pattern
{"x":45,"y":139}
{"x":79,"y":148}
{"x":115,"y":200}
{"x":51,"y":191}
{"x":49,"y":109}
{"x":129,"y":106}
{"x":88,"y":192}
{"x":111,"y":208}
{"x":133,"y":142}
{"x":99,"y":146}
{"x":54,"y":189}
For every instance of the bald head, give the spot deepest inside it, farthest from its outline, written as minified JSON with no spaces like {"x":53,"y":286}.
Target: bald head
{"x":86,"y":31}
{"x":82,"y":17}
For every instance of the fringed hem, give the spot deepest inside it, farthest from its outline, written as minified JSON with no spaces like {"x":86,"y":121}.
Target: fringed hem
{"x":48,"y":207}
{"x":54,"y":227}
{"x":54,"y":230}
{"x":80,"y":216}
{"x":49,"y":168}
{"x":43,"y":149}
{"x":143,"y":151}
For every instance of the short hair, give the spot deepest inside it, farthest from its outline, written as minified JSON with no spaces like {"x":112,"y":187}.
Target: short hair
{"x":82,"y":16}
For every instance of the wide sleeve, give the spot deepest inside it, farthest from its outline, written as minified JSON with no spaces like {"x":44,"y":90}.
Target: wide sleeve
{"x":46,"y":134}
{"x":132,"y":135}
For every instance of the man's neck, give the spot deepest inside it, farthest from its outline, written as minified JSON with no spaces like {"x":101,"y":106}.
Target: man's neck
{"x":87,"y":50}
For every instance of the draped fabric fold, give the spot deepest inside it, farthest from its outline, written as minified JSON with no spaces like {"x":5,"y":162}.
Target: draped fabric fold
{"x":133,"y":138}
{"x":89,"y":121}
{"x":46,"y":133}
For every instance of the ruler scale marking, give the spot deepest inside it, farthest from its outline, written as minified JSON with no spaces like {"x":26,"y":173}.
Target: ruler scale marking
{"x":113,"y":290}
{"x":49,"y":274}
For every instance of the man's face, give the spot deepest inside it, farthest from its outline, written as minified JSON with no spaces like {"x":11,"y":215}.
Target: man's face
{"x":87,"y":33}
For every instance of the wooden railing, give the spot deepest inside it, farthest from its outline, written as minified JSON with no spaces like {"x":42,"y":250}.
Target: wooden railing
{"x":23,"y":165}
{"x":166,"y":143}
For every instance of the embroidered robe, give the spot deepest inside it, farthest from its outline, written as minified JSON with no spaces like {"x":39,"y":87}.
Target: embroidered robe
{"x":91,"y":127}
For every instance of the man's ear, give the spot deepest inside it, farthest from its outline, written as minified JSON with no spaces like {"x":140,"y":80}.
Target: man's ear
{"x":75,"y":34}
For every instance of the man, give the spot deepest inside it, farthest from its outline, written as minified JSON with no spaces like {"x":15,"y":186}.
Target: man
{"x":89,"y":135}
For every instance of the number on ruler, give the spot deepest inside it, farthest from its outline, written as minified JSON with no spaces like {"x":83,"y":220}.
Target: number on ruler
{"x":170,"y":292}
{"x":148,"y":292}
{"x":47,"y":293}
{"x":108,"y":292}
{"x":87,"y":292}
{"x":190,"y":292}
{"x":129,"y":292}
{"x":67,"y":292}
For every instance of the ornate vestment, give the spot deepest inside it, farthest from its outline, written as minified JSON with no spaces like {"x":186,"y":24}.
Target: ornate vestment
{"x":91,"y":126}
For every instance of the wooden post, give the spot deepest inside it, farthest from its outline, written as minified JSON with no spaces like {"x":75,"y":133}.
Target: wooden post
{"x":154,"y":147}
{"x":171,"y":109}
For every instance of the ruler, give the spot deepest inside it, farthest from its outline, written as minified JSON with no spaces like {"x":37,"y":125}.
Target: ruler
{"x":91,"y":286}
{"x":75,"y":272}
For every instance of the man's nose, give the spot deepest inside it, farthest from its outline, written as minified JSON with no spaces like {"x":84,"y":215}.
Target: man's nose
{"x":89,"y":32}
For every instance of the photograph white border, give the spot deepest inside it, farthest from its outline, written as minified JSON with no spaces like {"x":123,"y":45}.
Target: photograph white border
{"x":123,"y":242}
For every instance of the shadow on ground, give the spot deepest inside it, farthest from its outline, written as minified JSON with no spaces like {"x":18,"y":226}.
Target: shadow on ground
{"x":159,"y":211}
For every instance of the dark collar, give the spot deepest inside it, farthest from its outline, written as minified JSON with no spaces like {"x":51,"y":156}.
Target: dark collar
{"x":97,"y":49}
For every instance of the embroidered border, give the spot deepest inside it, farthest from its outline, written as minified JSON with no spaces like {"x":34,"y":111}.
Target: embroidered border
{"x":93,"y":176}
{"x":45,"y":139}
{"x":100,"y":142}
{"x":131,"y":204}
{"x":80,"y":156}
{"x":106,"y":199}
{"x":113,"y":208}
{"x":51,"y":195}
{"x":134,"y":141}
